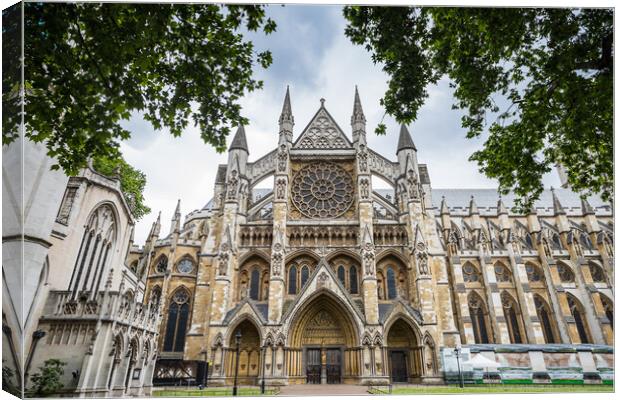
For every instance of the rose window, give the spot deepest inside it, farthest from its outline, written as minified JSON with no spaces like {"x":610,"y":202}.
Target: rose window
{"x":322,"y":190}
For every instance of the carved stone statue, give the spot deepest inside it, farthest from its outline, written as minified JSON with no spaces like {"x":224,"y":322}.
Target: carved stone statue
{"x":233,"y":182}
{"x":282,"y":156}
{"x":412,"y":183}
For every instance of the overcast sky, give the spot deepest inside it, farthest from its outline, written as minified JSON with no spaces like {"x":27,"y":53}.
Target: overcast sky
{"x":312,"y":56}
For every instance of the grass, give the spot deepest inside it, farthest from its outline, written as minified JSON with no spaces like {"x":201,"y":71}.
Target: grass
{"x":212,"y":392}
{"x":504,"y":388}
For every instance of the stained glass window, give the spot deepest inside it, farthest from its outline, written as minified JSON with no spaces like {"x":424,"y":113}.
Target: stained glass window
{"x":533,"y":273}
{"x":162,"y":263}
{"x":566,"y":274}
{"x":353,"y":279}
{"x":391,"y":284}
{"x":305,"y":272}
{"x":254,"y":284}
{"x":292,"y":280}
{"x":341,"y":273}
{"x":185,"y":266}
{"x":322,"y":190}
{"x":471,"y":274}
{"x":176,"y":326}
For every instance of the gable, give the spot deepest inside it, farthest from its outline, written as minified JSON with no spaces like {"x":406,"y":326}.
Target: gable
{"x":322,"y":133}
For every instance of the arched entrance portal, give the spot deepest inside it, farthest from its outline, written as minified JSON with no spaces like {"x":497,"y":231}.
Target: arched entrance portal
{"x":403,"y":352}
{"x":323,"y":344}
{"x":249,"y":354}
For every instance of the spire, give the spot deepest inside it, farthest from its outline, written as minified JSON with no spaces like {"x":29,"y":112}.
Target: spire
{"x":177,"y":211}
{"x":473,"y":208}
{"x":239,"y":141}
{"x":404,"y":140}
{"x":287,"y":111}
{"x":443,"y":209}
{"x":586,"y":208}
{"x":175,"y":225}
{"x":156,"y":226}
{"x":501,"y":208}
{"x":557,"y":207}
{"x":358,"y":112}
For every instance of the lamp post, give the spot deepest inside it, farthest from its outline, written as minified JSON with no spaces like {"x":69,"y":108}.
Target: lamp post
{"x":457,"y":353}
{"x":237,"y":342}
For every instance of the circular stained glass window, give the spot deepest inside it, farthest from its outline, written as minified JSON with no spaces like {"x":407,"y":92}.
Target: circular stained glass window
{"x":322,"y":190}
{"x":185,"y":266}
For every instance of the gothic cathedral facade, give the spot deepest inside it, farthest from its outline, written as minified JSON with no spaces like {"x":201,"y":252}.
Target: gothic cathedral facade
{"x":329,"y":280}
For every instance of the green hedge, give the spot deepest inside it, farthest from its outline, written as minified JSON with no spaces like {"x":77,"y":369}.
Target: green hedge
{"x":517,"y":381}
{"x":567,"y":381}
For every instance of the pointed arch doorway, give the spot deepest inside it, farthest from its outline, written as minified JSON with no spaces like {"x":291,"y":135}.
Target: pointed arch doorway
{"x":404,"y":352}
{"x":323,"y":344}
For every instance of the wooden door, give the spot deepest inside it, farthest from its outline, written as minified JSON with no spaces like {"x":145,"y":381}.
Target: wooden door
{"x":313,"y":366}
{"x":399,"y":366}
{"x":334,"y":361}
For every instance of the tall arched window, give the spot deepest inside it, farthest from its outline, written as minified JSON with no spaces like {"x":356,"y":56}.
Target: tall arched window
{"x":97,"y":243}
{"x":511,"y":316}
{"x":353,"y":279}
{"x":161,"y":265}
{"x":534,"y":274}
{"x":597,"y":273}
{"x":566,"y":273}
{"x":478,"y":318}
{"x":609,"y":310}
{"x":471,"y":273}
{"x":341,"y":275}
{"x":502,"y":273}
{"x":305,"y":273}
{"x":292,"y":280}
{"x":576,"y":311}
{"x":254,"y":284}
{"x":178,"y":316}
{"x":544,"y":315}
{"x":391,"y":284}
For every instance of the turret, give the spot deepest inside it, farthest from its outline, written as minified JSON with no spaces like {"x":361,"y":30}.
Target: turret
{"x":358,"y":120}
{"x":237,"y":160}
{"x":406,"y":150}
{"x":286,"y":120}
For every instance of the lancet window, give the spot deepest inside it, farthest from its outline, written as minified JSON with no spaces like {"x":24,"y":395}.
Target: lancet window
{"x":178,"y":318}
{"x":576,"y":310}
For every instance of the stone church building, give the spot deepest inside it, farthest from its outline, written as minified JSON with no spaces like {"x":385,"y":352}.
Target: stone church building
{"x":329,"y":280}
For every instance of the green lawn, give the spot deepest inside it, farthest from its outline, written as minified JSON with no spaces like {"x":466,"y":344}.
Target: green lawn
{"x":496,"y":389}
{"x":211,"y":392}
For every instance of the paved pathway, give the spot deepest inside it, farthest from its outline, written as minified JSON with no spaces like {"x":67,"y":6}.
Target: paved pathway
{"x":323,"y":390}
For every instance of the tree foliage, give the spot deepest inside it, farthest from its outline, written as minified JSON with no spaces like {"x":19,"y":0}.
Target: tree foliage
{"x":132,"y":180}
{"x":88,"y":66}
{"x":48,"y":380}
{"x":8,"y":380}
{"x":551,"y":68}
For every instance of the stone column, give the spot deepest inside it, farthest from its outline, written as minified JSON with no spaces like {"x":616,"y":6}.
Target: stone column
{"x":533,"y":328}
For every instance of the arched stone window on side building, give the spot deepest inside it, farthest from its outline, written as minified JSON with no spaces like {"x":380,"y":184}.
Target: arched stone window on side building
{"x":178,"y":317}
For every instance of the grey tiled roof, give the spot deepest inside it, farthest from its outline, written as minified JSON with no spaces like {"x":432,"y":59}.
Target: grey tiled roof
{"x":486,"y":200}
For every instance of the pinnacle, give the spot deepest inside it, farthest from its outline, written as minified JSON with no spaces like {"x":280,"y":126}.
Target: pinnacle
{"x":404,"y":140}
{"x":287,"y":111}
{"x":239,"y":141}
{"x":557,"y":206}
{"x":358,"y":112}
{"x":473,"y":208}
